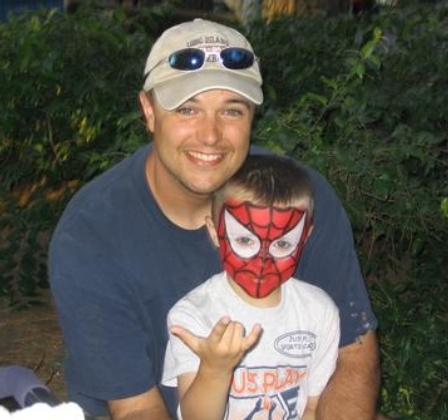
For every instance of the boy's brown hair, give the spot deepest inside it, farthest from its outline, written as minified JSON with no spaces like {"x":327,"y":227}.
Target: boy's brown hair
{"x":267,"y":180}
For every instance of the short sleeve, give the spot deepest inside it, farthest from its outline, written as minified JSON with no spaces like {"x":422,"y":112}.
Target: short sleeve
{"x":324,"y":362}
{"x":99,"y":323}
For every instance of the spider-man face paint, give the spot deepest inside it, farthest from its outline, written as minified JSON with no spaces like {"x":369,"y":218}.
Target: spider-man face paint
{"x":260,"y":246}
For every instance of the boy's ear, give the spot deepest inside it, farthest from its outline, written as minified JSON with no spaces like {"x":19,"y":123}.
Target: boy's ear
{"x":212,"y":230}
{"x":309,"y":231}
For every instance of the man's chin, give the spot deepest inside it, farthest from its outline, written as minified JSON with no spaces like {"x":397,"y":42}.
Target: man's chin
{"x":202,"y":190}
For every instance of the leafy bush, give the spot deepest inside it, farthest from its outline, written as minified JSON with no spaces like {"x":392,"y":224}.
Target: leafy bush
{"x":414,"y":339}
{"x":362,"y":100}
{"x":68,"y":111}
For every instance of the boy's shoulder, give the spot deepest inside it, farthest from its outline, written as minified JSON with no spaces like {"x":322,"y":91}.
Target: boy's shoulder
{"x":308,"y":294}
{"x":200,"y":295}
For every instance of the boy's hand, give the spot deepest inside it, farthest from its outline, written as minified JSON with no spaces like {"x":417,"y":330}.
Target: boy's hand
{"x":226,"y":345}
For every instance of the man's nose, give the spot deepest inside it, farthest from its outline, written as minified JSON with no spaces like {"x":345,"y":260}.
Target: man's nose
{"x":209,"y":131}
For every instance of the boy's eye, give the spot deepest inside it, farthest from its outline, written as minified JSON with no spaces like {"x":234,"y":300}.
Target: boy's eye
{"x":287,"y":244}
{"x":281,"y":248}
{"x":282,"y":244}
{"x":244,"y":240}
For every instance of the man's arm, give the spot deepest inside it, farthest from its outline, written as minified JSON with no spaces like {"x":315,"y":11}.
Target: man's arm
{"x":353,"y":389}
{"x":146,"y":406}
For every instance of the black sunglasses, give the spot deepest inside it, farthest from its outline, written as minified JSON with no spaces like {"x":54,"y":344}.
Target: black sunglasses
{"x":190,"y":59}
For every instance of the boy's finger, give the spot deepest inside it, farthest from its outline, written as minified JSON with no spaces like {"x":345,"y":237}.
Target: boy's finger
{"x":234,"y":336}
{"x":189,"y":339}
{"x":253,"y":336}
{"x":220,"y":329}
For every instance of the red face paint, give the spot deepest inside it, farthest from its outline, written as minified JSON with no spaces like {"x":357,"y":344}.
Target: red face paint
{"x":260,"y":246}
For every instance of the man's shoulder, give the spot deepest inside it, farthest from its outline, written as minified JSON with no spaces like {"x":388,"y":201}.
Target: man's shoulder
{"x":115,"y":176}
{"x":100,"y":212}
{"x":105,"y":193}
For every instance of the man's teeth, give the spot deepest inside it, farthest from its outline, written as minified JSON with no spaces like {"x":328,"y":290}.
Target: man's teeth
{"x":206,"y":157}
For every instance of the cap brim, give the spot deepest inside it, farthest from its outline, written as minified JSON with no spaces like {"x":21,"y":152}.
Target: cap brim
{"x":174,"y":92}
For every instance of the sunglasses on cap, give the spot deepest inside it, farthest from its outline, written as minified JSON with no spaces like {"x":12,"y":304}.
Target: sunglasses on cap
{"x":190,"y":59}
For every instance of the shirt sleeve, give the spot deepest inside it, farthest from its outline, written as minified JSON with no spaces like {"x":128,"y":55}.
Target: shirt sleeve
{"x":324,"y":363}
{"x":99,"y":321}
{"x":179,"y":359}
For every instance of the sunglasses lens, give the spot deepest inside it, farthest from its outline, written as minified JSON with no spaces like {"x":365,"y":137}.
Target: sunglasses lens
{"x":187,"y":59}
{"x":237,"y":58}
{"x":193,"y":59}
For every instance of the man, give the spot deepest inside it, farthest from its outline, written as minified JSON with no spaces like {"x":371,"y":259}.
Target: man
{"x":133,"y":241}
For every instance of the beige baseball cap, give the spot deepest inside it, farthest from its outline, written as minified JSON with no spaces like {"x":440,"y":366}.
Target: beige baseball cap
{"x":173,"y":87}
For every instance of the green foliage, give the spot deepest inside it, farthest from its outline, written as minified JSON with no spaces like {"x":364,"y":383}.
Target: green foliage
{"x":444,"y":207}
{"x":362,"y":100}
{"x":414,"y":340}
{"x":68,"y":110}
{"x":57,"y":71}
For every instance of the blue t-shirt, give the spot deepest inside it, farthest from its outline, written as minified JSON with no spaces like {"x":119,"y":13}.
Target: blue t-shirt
{"x":117,"y":265}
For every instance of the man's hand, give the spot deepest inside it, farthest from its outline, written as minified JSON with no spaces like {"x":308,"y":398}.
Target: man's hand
{"x":352,"y":392}
{"x":222,"y":350}
{"x":149,"y":405}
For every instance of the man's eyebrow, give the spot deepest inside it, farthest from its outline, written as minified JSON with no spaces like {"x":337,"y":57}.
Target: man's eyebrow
{"x":242,"y":101}
{"x":248,"y":104}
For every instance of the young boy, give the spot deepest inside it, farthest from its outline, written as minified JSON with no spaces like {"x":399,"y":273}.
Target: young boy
{"x":252,"y":342}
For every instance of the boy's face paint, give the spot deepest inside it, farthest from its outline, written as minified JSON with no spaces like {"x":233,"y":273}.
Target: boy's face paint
{"x":260,"y":246}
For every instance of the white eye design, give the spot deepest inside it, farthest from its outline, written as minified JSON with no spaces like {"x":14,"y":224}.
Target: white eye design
{"x":287,"y":244}
{"x":244,"y":243}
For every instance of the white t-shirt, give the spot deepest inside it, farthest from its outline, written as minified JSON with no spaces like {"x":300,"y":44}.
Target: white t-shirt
{"x":294,"y":358}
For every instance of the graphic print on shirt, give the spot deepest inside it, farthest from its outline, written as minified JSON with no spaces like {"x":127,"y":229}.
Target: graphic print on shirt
{"x":268,"y":393}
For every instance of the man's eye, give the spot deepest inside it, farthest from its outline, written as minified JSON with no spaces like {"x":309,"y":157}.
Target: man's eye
{"x":185,"y":110}
{"x":233,"y":112}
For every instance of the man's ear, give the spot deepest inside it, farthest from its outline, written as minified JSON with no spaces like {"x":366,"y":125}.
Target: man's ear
{"x":147,"y":109}
{"x":212,"y":230}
